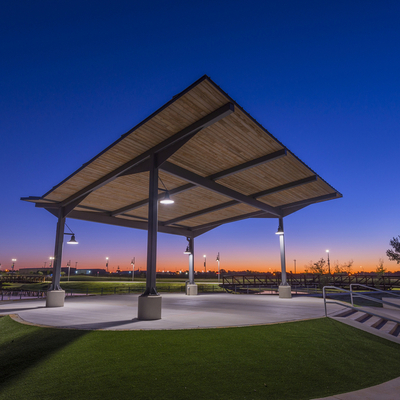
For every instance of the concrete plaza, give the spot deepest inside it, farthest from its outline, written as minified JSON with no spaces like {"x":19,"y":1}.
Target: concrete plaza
{"x":119,"y":312}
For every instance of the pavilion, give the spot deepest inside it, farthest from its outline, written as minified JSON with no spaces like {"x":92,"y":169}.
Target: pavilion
{"x":200,"y":149}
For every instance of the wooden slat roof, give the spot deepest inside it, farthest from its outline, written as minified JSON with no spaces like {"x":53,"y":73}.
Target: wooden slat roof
{"x":223,"y":166}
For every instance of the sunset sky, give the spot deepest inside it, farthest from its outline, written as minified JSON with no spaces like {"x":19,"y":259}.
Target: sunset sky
{"x":322,"y":77}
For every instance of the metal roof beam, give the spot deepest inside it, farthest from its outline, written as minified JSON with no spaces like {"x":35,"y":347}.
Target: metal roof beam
{"x":216,"y":187}
{"x":286,"y":186}
{"x":249,"y":164}
{"x":255,"y":214}
{"x":234,"y":202}
{"x":307,"y":202}
{"x":204,"y":122}
{"x":201,"y":212}
{"x":218,"y":175}
{"x":106,"y":219}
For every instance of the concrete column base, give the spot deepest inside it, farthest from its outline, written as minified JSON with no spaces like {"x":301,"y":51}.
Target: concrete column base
{"x":149,"y":307}
{"x":285,"y":292}
{"x":55,"y":298}
{"x":191,"y":290}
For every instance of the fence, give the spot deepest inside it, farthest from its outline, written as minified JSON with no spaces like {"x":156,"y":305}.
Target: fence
{"x":86,"y":291}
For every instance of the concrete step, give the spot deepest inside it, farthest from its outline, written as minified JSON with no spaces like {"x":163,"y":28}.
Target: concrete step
{"x":389,"y":327}
{"x":363,"y":318}
{"x":344,"y":314}
{"x":357,"y":316}
{"x":373,"y":321}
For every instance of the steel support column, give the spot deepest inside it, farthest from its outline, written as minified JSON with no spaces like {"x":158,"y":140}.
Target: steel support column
{"x":149,"y":303}
{"x":283,"y":256}
{"x":285,"y":291}
{"x":191,"y":261}
{"x":55,"y":282}
{"x":152,"y":229}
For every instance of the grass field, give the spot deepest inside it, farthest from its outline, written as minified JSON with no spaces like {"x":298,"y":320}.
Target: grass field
{"x":300,"y":360}
{"x":99,"y":286}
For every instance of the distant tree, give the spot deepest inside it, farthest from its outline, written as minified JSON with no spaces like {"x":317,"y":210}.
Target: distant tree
{"x":380,"y":270}
{"x":394,"y":255}
{"x":318,"y":267}
{"x":343,"y":268}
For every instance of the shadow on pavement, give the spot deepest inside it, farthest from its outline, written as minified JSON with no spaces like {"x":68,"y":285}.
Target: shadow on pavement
{"x":5,"y":311}
{"x":102,"y":325}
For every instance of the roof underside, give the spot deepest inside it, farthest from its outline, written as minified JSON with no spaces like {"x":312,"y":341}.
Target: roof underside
{"x":217,"y":162}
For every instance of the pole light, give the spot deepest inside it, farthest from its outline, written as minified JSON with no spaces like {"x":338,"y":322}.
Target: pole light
{"x":51,"y":261}
{"x":69,"y":266}
{"x":107,"y":263}
{"x":205,"y":263}
{"x":13,"y":263}
{"x":133,"y":267}
{"x":218,"y":259}
{"x":329,"y":263}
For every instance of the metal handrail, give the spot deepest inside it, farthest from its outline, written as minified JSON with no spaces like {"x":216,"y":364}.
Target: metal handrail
{"x":367,"y":312}
{"x":358,"y":295}
{"x":368,"y":287}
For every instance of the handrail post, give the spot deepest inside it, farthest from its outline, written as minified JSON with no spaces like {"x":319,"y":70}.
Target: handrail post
{"x":351,"y":294}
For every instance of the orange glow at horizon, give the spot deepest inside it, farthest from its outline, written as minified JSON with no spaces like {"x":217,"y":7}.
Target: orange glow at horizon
{"x":261,"y":266}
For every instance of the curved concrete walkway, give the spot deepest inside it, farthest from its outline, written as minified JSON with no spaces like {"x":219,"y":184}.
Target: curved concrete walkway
{"x":385,"y":391}
{"x":179,"y":311}
{"x":119,"y":312}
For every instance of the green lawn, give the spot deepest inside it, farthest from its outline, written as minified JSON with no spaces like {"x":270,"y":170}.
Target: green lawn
{"x":300,"y":360}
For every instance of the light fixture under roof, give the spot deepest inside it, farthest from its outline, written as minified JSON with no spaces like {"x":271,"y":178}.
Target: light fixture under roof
{"x":280,"y":230}
{"x":72,"y":240}
{"x":166,"y":199}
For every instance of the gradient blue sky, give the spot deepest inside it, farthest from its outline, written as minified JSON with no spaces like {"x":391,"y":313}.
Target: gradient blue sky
{"x":321,"y":76}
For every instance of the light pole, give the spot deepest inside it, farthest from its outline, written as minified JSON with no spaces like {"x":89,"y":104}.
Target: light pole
{"x":295,"y":267}
{"x":205,"y":263}
{"x":13,"y":262}
{"x":107,"y":263}
{"x":329,"y":263}
{"x":133,"y":267}
{"x":218,"y":267}
{"x":69,"y":266}
{"x":51,"y":261}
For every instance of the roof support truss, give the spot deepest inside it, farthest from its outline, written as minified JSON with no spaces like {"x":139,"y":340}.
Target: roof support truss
{"x":307,"y":202}
{"x":234,"y":202}
{"x":104,"y":218}
{"x":216,"y":187}
{"x":222,"y":174}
